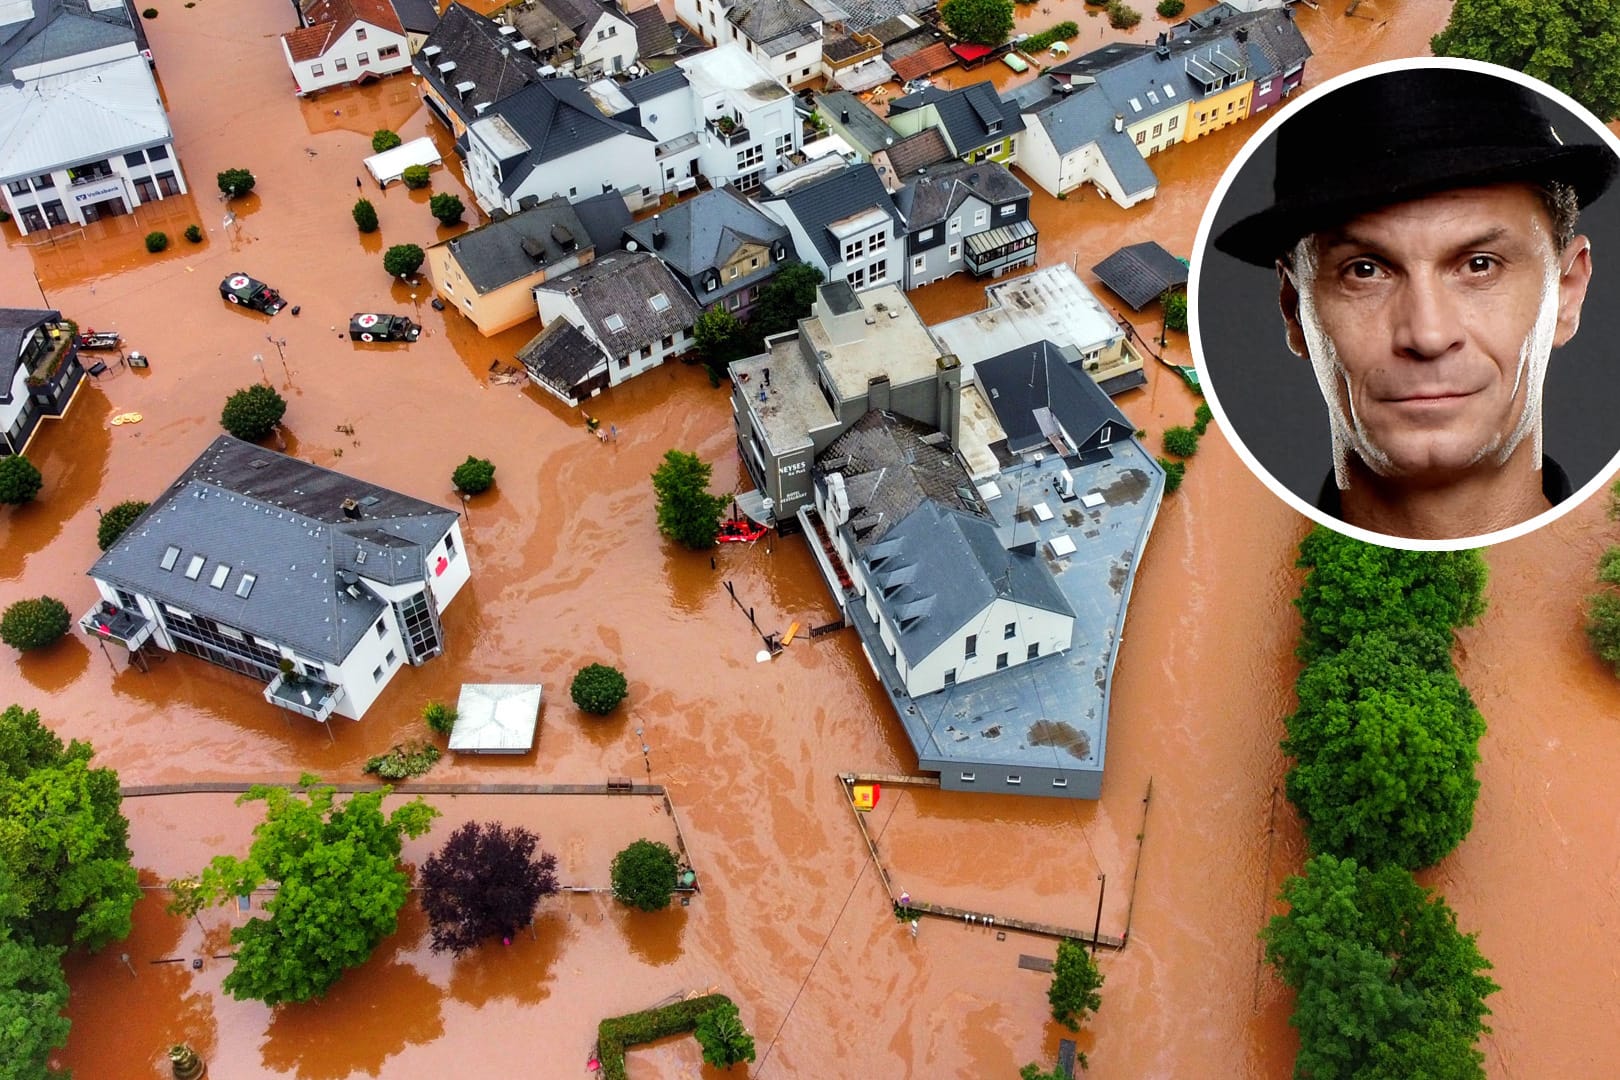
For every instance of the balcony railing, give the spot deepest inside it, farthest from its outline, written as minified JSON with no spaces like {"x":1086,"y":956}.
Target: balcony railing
{"x":303,"y":695}
{"x":109,"y":622}
{"x":736,"y":136}
{"x":997,"y":248}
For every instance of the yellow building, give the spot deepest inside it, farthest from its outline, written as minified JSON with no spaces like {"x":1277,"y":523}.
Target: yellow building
{"x":489,"y":274}
{"x":1230,"y":88}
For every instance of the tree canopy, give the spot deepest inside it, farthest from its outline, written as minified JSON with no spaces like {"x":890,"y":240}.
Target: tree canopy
{"x":34,"y":623}
{"x":339,"y":887}
{"x":598,"y":688}
{"x":1388,"y":987}
{"x":1385,"y":750}
{"x":20,"y":481}
{"x":33,"y":992}
{"x":1572,"y":44}
{"x":1075,"y":982}
{"x":115,"y":521}
{"x":644,"y":875}
{"x":788,"y":298}
{"x":475,"y":476}
{"x":485,"y":882}
{"x":983,"y":22}
{"x":253,"y":412}
{"x":687,"y":513}
{"x":724,"y":1040}
{"x":403,"y":260}
{"x":234,"y":182}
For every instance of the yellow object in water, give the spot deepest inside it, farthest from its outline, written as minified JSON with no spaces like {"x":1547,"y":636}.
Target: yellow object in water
{"x":865,"y":795}
{"x":127,"y":418}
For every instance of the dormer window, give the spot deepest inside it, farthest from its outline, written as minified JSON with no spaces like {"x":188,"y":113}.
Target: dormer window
{"x":994,"y":128}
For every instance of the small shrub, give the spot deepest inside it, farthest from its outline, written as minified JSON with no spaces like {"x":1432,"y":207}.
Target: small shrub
{"x":1608,"y":567}
{"x":149,"y":13}
{"x":404,"y":762}
{"x":415,"y":176}
{"x":1180,"y":441}
{"x":19,"y":480}
{"x":1121,"y":17}
{"x":156,"y":241}
{"x":440,"y":718}
{"x":1174,"y":473}
{"x":403,"y":260}
{"x":447,"y":208}
{"x":598,"y":689}
{"x":1175,"y":311}
{"x":1063,"y":31}
{"x":1096,"y":3}
{"x":5,"y":215}
{"x":365,"y":216}
{"x":644,"y":875}
{"x":194,"y":233}
{"x":1202,"y":417}
{"x":1170,"y":8}
{"x":234,"y":182}
{"x":34,"y":624}
{"x":383,"y":139}
{"x":115,"y":522}
{"x":253,"y":413}
{"x":474,"y":476}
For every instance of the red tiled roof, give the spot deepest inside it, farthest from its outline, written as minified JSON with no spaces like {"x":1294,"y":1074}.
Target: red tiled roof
{"x":936,"y":57}
{"x":330,"y":18}
{"x":970,"y":52}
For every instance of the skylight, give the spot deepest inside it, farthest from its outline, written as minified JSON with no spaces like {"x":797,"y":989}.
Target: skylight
{"x":614,"y":322}
{"x":658,"y":302}
{"x":1169,"y":91}
{"x":245,"y":586}
{"x":221,"y":572}
{"x":1136,"y":104}
{"x":195,"y":567}
{"x":170,"y":557}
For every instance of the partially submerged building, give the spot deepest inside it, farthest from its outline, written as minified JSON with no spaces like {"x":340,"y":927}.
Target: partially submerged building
{"x":39,"y":372}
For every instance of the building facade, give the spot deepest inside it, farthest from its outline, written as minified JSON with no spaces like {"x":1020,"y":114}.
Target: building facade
{"x":629,"y":305}
{"x":39,"y":372}
{"x":345,"y":41}
{"x":488,"y":274}
{"x":961,"y":216}
{"x":784,"y":36}
{"x":842,"y":222}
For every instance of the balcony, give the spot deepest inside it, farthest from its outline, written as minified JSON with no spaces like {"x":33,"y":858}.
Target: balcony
{"x":303,"y":695}
{"x":109,"y":622}
{"x":995,"y":251}
{"x":728,"y":131}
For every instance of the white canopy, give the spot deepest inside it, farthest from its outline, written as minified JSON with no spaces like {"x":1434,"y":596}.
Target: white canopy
{"x":390,"y":165}
{"x":496,"y":718}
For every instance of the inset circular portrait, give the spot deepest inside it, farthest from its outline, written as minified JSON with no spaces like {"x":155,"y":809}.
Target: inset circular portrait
{"x":1404,"y":304}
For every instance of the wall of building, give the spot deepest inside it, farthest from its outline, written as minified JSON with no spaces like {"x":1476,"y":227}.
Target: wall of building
{"x":1003,"y":779}
{"x":135,"y":182}
{"x":1162,"y":129}
{"x":624,"y":163}
{"x":609,"y":46}
{"x":499,"y":309}
{"x":350,"y":57}
{"x":1218,"y":110}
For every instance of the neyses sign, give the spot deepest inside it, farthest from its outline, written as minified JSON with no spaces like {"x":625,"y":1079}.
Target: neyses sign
{"x":97,"y":192}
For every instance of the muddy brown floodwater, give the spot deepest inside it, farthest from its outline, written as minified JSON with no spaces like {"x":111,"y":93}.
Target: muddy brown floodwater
{"x":568,"y":568}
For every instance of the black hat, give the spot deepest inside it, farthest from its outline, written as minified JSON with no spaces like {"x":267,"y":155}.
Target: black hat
{"x":1401,"y":135}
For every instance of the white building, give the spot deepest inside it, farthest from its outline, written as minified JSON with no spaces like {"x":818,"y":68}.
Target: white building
{"x":784,"y":36}
{"x":86,"y":132}
{"x":843,"y":223}
{"x":749,"y":125}
{"x":604,"y":39}
{"x":345,"y":41}
{"x":629,"y":305}
{"x":318,"y":585}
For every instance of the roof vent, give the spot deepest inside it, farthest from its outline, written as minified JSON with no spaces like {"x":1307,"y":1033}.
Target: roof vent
{"x":534,"y":249}
{"x":1119,"y":122}
{"x":562,"y":236}
{"x":430,"y":51}
{"x":508,"y":31}
{"x":465,"y":87}
{"x":523,"y":45}
{"x":843,"y":116}
{"x":1241,"y":34}
{"x":658,"y":233}
{"x":447,"y":67}
{"x":351,"y":509}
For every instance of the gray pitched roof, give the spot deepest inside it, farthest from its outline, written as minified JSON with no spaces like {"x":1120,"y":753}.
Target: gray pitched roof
{"x":1030,"y":379}
{"x":933,"y":196}
{"x":920,"y":151}
{"x":656,"y":85}
{"x":515,"y":247}
{"x":896,"y":27}
{"x":59,"y":29}
{"x":262,"y":513}
{"x":703,"y":232}
{"x":967,"y":114}
{"x":556,"y":118}
{"x":892,"y":465}
{"x":775,"y":25}
{"x":1140,"y":273}
{"x":859,"y":14}
{"x":604,"y":217}
{"x":561,"y":356}
{"x":865,"y":127}
{"x":834,"y":197}
{"x":417,"y":16}
{"x":482,"y":56}
{"x":653,"y":35}
{"x":625,"y":283}
{"x":14,"y":326}
{"x":1087,"y":116}
{"x":578,"y":15}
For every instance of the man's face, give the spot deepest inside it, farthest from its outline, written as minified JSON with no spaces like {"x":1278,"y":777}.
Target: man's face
{"x":1429,"y":324}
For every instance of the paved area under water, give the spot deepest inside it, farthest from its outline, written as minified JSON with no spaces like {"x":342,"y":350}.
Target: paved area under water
{"x":569,"y":568}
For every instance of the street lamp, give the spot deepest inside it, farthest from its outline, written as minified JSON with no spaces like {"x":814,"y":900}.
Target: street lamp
{"x":258,"y":358}
{"x":416,"y":307}
{"x":1096,"y":927}
{"x":465,"y":512}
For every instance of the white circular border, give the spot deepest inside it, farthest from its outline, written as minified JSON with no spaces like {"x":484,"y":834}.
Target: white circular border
{"x":1195,"y":337}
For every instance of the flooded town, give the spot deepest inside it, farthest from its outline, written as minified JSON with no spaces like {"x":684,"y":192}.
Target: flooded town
{"x":879,"y":850}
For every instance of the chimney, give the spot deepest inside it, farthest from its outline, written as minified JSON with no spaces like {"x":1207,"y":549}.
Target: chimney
{"x":1241,"y":34}
{"x":658,"y":234}
{"x":1119,"y":121}
{"x":950,"y":397}
{"x":351,"y":509}
{"x":843,"y":116}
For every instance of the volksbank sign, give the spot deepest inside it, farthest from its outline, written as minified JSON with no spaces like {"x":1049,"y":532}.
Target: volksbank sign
{"x":98,"y":192}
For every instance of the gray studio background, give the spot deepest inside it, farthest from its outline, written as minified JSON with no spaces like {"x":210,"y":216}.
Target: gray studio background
{"x":1270,"y":396}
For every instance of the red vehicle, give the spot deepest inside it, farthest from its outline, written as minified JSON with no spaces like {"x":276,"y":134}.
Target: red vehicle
{"x":98,"y":339}
{"x":740,"y":531}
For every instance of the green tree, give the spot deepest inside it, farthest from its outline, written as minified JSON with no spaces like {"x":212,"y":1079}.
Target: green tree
{"x":1388,"y":987}
{"x":1033,"y":1071}
{"x":253,"y":412}
{"x":983,"y":22}
{"x":1170,"y":8}
{"x":403,"y":260}
{"x":19,"y":480}
{"x":1075,"y":982}
{"x":339,"y":887}
{"x":34,"y":623}
{"x":724,"y":1040}
{"x":115,"y":521}
{"x":447,"y":208}
{"x":787,"y":299}
{"x":1385,"y":748}
{"x":644,"y":875}
{"x":415,"y":176}
{"x":721,"y":338}
{"x":194,"y":234}
{"x":1180,"y":441}
{"x":474,"y":476}
{"x":33,"y":992}
{"x":687,"y":513}
{"x":1175,"y":310}
{"x":1603,"y":626}
{"x":598,"y":689}
{"x":365,"y":216}
{"x":1353,"y":587}
{"x":1572,"y":44}
{"x":1608,"y":567}
{"x":234,"y":182}
{"x":382,"y":139}
{"x":1122,"y":16}
{"x":64,"y":842}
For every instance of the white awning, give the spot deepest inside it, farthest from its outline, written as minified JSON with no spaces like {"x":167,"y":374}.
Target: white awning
{"x":496,"y":718}
{"x":390,"y":165}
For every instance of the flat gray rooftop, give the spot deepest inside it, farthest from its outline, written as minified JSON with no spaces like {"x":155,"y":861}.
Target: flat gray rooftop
{"x":792,"y":405}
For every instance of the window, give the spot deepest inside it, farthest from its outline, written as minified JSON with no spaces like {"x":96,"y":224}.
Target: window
{"x":968,"y":778}
{"x":972,"y":648}
{"x":381,"y":627}
{"x":18,"y":187}
{"x":954,"y":252}
{"x":994,"y":127}
{"x":388,"y":52}
{"x":134,"y":157}
{"x":734,"y":301}
{"x":614,"y":322}
{"x":194,"y":568}
{"x":733,"y":272}
{"x":1230,"y":105}
{"x":753,"y":263}
{"x":1001,"y":661}
{"x":857,"y":278}
{"x":980,"y":216}
{"x":791,"y":56}
{"x":854,"y":249}
{"x":376,"y":674}
{"x":613,"y":31}
{"x":1141,"y":137}
{"x":392,"y":658}
{"x":1171,"y":126}
{"x":624,"y":363}
{"x":245,"y":586}
{"x":926,"y":234}
{"x":877,"y":242}
{"x":1157,"y":128}
{"x":919,"y":263}
{"x":1009,"y":631}
{"x":1034,"y":651}
{"x":359,"y":33}
{"x":658,"y":302}
{"x":956,"y":225}
{"x":221,"y":572}
{"x":363,"y":59}
{"x":1007,"y":211}
{"x":341,"y":64}
{"x":450,"y":545}
{"x":1060,"y":781}
{"x":877,"y":272}
{"x":601,"y":35}
{"x":784,"y":144}
{"x":950,"y":677}
{"x":1106,"y":436}
{"x":669,"y":341}
{"x":45,"y":181}
{"x":156,"y":153}
{"x":318,"y":70}
{"x":169,"y":557}
{"x":1014,"y":779}
{"x":750,"y":158}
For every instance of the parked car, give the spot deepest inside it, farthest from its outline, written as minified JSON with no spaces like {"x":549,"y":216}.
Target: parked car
{"x":368,"y":326}
{"x":244,"y":291}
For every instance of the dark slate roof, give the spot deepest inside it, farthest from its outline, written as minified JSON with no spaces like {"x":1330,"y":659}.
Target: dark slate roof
{"x":836,"y":46}
{"x":1130,"y":168}
{"x":623,"y":283}
{"x":61,"y":28}
{"x":892,"y":465}
{"x":561,"y":356}
{"x":515,"y":247}
{"x":966,"y":113}
{"x":703,"y":232}
{"x":280,"y":519}
{"x":833,"y":197}
{"x":417,"y":16}
{"x":475,"y":44}
{"x":1034,"y":378}
{"x":933,"y":196}
{"x":1140,"y":273}
{"x":578,"y":15}
{"x":656,"y":85}
{"x":653,"y":35}
{"x":1211,"y":16}
{"x":556,"y":118}
{"x":14,"y":326}
{"x":775,"y":25}
{"x":604,"y":217}
{"x":938,"y":569}
{"x":920,"y":151}
{"x":864,"y":13}
{"x":866,"y":128}
{"x":894,"y":28}
{"x":1087,"y":116}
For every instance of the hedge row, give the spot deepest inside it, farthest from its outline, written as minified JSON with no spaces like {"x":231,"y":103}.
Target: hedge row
{"x":1063,"y":31}
{"x":617,"y":1034}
